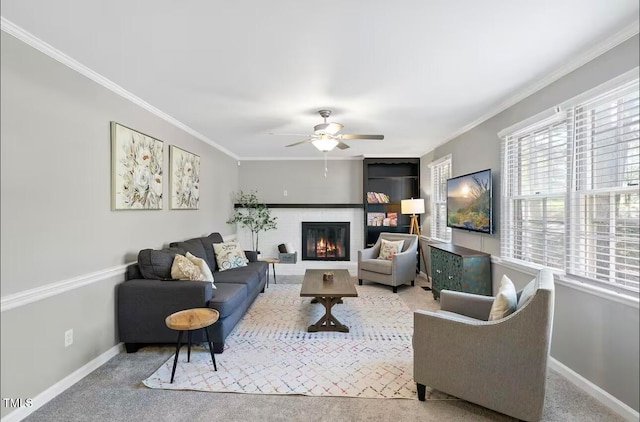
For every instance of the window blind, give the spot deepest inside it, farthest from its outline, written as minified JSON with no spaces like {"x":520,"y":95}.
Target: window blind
{"x":440,"y":172}
{"x":534,"y":190}
{"x":570,"y":190}
{"x":605,"y":219}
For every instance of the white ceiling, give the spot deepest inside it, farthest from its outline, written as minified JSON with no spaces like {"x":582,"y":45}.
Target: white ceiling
{"x":418,"y":71}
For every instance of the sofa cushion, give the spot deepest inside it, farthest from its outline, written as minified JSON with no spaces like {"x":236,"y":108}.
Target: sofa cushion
{"x":380,"y":266}
{"x":194,"y":246}
{"x":505,"y":301}
{"x":207,"y":243}
{"x":249,"y":275}
{"x":229,"y":255}
{"x":228,"y":297}
{"x":156,"y":264}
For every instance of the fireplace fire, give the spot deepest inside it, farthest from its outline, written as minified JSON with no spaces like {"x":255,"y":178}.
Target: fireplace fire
{"x":325,"y":241}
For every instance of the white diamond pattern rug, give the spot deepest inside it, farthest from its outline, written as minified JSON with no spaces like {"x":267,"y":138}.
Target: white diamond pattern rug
{"x":271,"y":352}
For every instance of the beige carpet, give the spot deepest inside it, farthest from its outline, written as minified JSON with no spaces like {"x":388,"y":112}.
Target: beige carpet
{"x":271,"y":352}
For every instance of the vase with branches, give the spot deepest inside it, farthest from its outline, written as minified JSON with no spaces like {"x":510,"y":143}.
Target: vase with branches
{"x":251,"y":213}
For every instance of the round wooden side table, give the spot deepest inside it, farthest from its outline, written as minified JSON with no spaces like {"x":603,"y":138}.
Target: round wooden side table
{"x":189,"y":320}
{"x":273,"y":262}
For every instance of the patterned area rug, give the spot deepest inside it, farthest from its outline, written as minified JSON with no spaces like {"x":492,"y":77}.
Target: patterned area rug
{"x":271,"y":352}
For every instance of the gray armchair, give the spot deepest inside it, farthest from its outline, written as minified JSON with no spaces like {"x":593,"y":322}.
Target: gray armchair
{"x":400,"y":270}
{"x":502,"y":364}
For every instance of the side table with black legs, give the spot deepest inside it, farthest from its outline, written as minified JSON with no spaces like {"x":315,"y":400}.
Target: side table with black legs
{"x":189,"y":320}
{"x":273,"y":262}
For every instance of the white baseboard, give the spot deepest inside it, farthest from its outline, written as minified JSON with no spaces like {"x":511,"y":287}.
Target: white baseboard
{"x":59,"y":387}
{"x":594,"y":391}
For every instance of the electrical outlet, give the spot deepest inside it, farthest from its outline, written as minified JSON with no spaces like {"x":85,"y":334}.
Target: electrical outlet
{"x":68,"y":338}
{"x":285,"y":193}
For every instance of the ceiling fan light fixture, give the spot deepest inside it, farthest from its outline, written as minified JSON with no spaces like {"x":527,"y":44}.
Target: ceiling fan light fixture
{"x":327,"y":128}
{"x":325,"y":143}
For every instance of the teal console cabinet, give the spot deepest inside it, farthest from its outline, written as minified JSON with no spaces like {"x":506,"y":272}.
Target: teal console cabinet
{"x":457,"y":268}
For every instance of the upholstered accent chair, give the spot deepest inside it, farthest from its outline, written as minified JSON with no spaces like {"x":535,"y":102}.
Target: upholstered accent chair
{"x":500,"y":364}
{"x":399,"y":270}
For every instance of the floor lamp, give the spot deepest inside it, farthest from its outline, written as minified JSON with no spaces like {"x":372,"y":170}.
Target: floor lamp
{"x":413,"y":207}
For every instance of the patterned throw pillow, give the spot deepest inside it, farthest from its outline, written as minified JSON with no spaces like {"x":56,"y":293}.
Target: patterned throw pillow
{"x":183,"y":269}
{"x":505,"y":301}
{"x":203,"y":266}
{"x":229,"y":255}
{"x":389,"y":248}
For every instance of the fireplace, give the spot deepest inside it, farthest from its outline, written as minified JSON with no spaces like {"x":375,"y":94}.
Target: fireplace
{"x":325,"y":241}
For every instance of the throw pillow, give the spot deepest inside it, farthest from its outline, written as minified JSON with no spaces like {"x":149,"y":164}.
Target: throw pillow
{"x":389,"y":248}
{"x":505,"y":301}
{"x":229,"y":255}
{"x":184,"y":269}
{"x":203,"y":267}
{"x":527,"y":293}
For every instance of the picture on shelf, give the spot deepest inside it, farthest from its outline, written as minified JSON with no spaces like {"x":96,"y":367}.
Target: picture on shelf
{"x":392,"y":219}
{"x":375,"y":218}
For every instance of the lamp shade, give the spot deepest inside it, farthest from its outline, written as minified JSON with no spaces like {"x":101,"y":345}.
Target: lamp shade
{"x":412,"y":206}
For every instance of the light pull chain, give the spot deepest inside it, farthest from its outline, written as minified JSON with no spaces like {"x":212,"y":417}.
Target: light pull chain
{"x":325,"y":165}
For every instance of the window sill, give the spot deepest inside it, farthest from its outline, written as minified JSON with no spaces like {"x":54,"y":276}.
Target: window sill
{"x":624,"y":298}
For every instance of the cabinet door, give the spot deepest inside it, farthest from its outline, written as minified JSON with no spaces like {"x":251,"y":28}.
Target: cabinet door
{"x":453,"y":276}
{"x":477,"y":276}
{"x":440,"y":263}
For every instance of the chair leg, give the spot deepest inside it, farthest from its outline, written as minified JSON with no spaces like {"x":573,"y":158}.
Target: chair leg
{"x":360,"y":281}
{"x":175,"y":361}
{"x":395,"y":289}
{"x":422,"y":389}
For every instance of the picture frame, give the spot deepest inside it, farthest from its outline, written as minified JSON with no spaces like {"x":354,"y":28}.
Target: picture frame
{"x":184,"y":183}
{"x":137,"y":162}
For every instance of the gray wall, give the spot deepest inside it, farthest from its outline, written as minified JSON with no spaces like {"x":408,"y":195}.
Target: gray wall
{"x":304,"y":181}
{"x":56,"y":220}
{"x":594,"y":336}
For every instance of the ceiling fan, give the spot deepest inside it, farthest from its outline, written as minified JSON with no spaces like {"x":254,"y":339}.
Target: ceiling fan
{"x":325,"y":135}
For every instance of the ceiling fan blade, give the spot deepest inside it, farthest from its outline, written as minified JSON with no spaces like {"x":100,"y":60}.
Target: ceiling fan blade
{"x":353,"y":136}
{"x":288,"y":134}
{"x":298,"y":143}
{"x":342,"y":145}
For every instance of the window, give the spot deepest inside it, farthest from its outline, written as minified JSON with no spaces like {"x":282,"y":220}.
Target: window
{"x":570,"y":190}
{"x":440,"y":172}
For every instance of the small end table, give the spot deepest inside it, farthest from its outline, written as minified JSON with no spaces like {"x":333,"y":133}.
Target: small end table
{"x":189,"y":320}
{"x":273,"y":262}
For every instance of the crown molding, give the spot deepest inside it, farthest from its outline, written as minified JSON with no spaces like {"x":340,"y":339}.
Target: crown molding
{"x":320,"y":158}
{"x":35,"y":42}
{"x":579,"y":60}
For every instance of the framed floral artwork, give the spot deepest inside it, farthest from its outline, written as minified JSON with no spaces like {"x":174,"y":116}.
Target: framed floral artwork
{"x":184,"y":184}
{"x":136,"y":170}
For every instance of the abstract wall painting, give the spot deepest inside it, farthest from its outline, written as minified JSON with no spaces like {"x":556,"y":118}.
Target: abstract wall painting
{"x":136,"y":170}
{"x":184,"y":179}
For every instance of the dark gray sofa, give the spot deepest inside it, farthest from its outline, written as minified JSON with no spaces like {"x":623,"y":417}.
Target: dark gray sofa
{"x":148,"y":296}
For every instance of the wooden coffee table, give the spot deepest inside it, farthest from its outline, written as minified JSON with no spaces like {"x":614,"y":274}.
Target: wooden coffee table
{"x":328,"y":293}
